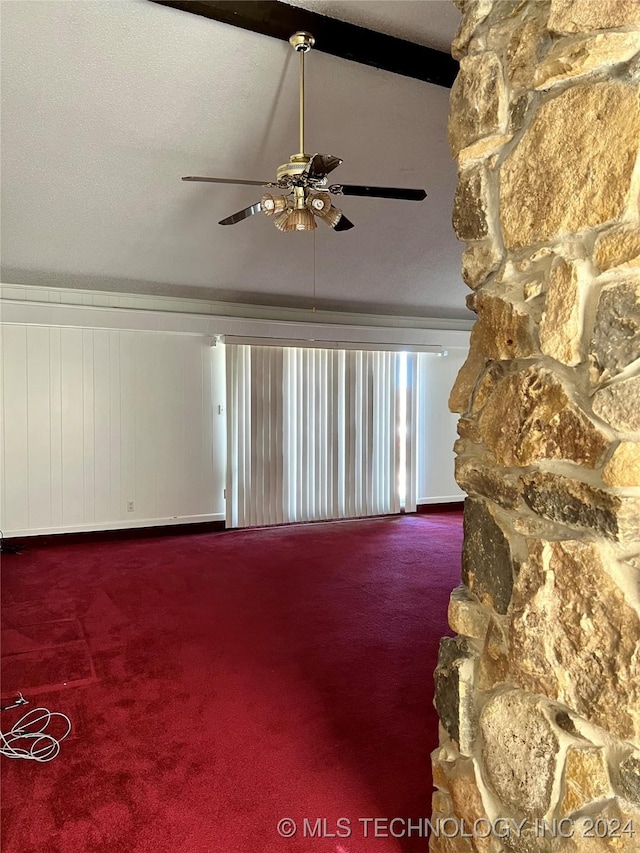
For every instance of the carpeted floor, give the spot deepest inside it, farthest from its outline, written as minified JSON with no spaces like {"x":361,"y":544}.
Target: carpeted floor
{"x":219,"y":683}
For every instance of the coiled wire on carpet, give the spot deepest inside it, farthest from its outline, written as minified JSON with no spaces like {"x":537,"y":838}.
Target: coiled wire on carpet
{"x":37,"y":744}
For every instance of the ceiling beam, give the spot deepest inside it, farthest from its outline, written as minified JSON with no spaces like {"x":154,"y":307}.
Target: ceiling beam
{"x":348,"y":41}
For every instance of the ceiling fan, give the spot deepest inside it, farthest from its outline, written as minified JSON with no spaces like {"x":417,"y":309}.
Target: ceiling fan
{"x":304,"y":181}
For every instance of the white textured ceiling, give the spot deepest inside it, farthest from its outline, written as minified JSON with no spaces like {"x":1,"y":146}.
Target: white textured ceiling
{"x":105,"y":105}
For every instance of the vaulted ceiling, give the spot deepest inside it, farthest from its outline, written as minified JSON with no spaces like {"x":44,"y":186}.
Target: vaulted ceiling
{"x":105,"y":105}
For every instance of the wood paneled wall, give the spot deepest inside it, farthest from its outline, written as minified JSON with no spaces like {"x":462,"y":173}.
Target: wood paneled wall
{"x":96,"y":419}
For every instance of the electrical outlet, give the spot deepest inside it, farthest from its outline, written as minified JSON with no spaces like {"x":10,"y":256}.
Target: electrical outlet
{"x":131,"y":505}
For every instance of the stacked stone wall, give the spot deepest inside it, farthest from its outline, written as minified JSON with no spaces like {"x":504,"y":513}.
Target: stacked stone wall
{"x":539,"y":693}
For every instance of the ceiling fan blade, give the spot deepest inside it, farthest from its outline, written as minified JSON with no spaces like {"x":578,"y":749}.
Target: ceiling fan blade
{"x":241,"y":214}
{"x":321,"y":164}
{"x":378,"y":192}
{"x":343,"y":224}
{"x":229,"y":181}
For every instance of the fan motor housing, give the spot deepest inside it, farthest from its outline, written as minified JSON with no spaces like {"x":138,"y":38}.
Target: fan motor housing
{"x":294,"y":168}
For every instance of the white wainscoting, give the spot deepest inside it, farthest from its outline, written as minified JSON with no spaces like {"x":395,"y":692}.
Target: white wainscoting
{"x":95,"y":419}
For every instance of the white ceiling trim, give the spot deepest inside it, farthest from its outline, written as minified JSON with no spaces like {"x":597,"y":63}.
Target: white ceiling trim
{"x":135,"y":320}
{"x":204,"y":308}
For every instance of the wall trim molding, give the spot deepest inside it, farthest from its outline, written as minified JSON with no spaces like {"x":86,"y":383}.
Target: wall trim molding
{"x":113,"y":534}
{"x":210,"y":308}
{"x":36,"y":306}
{"x":113,"y":526}
{"x":427,"y":506}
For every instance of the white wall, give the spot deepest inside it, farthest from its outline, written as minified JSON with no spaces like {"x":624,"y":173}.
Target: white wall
{"x":96,"y":418}
{"x":110,"y":398}
{"x":437,"y":427}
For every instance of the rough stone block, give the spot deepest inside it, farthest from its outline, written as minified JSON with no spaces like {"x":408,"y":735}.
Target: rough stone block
{"x":582,"y":16}
{"x":561,"y":325}
{"x":549,"y":188}
{"x":449,"y":844}
{"x":467,"y":429}
{"x":479,"y":261}
{"x":477,"y":476}
{"x":629,"y":778}
{"x":536,"y":526}
{"x":466,"y":615}
{"x":441,"y":809}
{"x":439,"y":759}
{"x":623,"y":468}
{"x":471,"y":204}
{"x":504,"y":14}
{"x":462,"y":392}
{"x":487,"y":563}
{"x":617,"y":246}
{"x":616,"y":336}
{"x":580,"y":504}
{"x":474,"y":14}
{"x":477,"y":102}
{"x":524,"y":48}
{"x":494,"y":660}
{"x":518,"y":113}
{"x":619,"y":404}
{"x":519,"y":753}
{"x":586,"y":779}
{"x":476,"y":378}
{"x":575,"y":637}
{"x":496,"y":641}
{"x":530,"y":417}
{"x":458,"y":778}
{"x":526,"y":841}
{"x":485,"y":386}
{"x":503,"y":330}
{"x":570,"y":58}
{"x":454,"y":680}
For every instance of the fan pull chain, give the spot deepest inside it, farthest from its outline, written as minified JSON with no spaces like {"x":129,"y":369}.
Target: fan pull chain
{"x":314,"y":272}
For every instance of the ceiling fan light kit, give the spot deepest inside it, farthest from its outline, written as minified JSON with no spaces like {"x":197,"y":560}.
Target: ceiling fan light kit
{"x":300,"y":220}
{"x":304,"y":179}
{"x":272,"y":204}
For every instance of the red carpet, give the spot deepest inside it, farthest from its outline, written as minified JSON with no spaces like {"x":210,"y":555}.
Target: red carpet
{"x":220,"y":682}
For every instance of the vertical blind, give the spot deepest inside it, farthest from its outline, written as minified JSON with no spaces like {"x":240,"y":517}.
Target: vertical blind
{"x":318,"y":434}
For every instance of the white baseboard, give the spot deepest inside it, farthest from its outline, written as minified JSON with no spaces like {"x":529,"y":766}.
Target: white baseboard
{"x":442,"y":499}
{"x":115,"y":525}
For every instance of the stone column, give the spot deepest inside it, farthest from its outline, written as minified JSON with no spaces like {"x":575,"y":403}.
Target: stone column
{"x":539,"y":694}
